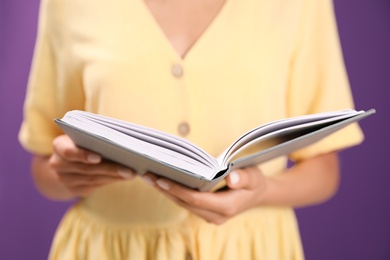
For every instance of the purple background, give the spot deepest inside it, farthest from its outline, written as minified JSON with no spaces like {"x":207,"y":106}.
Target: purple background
{"x":353,"y":225}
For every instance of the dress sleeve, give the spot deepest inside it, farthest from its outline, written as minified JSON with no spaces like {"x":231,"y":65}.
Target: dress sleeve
{"x":318,"y":80}
{"x":53,"y":88}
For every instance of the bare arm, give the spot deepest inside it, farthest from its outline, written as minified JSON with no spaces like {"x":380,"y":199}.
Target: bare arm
{"x":309,"y":182}
{"x":71,"y":172}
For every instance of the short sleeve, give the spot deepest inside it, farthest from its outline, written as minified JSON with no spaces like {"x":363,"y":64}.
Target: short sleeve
{"x":319,"y":80}
{"x":51,"y":89}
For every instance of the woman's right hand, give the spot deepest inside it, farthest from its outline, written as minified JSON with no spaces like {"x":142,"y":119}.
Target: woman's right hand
{"x":78,"y":170}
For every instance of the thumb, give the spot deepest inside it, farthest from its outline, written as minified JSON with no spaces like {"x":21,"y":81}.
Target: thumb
{"x":237,"y":179}
{"x":245,"y":178}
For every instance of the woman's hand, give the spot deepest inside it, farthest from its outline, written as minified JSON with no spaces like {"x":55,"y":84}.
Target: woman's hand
{"x":246,"y":187}
{"x":77,"y":170}
{"x":309,"y":182}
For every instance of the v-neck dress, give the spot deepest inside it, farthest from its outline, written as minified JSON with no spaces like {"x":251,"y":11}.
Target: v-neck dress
{"x":258,"y":61}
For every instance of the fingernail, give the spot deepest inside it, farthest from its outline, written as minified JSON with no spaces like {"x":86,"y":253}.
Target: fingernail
{"x":162,"y":184}
{"x":148,"y":180}
{"x":94,"y":158}
{"x":125,"y":173}
{"x":234,"y":177}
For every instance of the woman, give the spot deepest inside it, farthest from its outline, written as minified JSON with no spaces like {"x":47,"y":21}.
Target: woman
{"x":205,"y":70}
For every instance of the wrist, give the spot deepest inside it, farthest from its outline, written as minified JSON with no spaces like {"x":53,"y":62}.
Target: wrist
{"x":267,"y":192}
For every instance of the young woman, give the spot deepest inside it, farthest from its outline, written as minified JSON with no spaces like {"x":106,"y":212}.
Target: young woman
{"x":207,"y":70}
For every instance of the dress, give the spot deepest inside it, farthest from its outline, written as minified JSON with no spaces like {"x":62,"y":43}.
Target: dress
{"x":258,"y":61}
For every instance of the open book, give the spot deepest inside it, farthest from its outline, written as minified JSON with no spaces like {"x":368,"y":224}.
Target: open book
{"x":145,"y":149}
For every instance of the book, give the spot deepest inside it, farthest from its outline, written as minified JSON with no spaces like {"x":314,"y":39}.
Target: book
{"x":145,"y":149}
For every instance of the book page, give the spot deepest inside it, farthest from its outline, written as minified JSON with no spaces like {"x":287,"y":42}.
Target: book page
{"x":152,"y":151}
{"x":154,"y":136}
{"x":276,"y":132}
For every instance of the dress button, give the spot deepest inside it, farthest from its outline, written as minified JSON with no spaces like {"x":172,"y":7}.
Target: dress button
{"x":177,"y":70}
{"x":184,"y":128}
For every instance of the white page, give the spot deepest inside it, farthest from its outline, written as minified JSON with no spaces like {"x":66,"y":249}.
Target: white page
{"x":277,"y":125}
{"x":169,"y":157}
{"x":154,"y":136}
{"x":280,"y":136}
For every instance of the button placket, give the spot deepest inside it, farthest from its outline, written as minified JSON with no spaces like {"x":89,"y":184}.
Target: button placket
{"x":177,"y":71}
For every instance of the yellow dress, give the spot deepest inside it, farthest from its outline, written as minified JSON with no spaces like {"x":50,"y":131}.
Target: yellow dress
{"x":258,"y":61}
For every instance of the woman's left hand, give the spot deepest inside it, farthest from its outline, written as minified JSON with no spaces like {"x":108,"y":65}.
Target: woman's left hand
{"x":246,"y":188}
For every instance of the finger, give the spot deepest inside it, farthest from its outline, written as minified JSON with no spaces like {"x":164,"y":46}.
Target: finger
{"x":149,"y":178}
{"x":104,"y":168}
{"x":246,"y":178}
{"x":81,"y":191}
{"x":81,"y":187}
{"x":218,"y":203}
{"x":68,"y":150}
{"x":209,"y":216}
{"x":74,"y":179}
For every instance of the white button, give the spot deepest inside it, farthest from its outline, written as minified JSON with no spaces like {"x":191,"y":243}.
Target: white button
{"x":177,"y":70}
{"x":183,"y":128}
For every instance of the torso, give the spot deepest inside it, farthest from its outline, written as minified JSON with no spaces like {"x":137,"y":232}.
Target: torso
{"x":184,"y":22}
